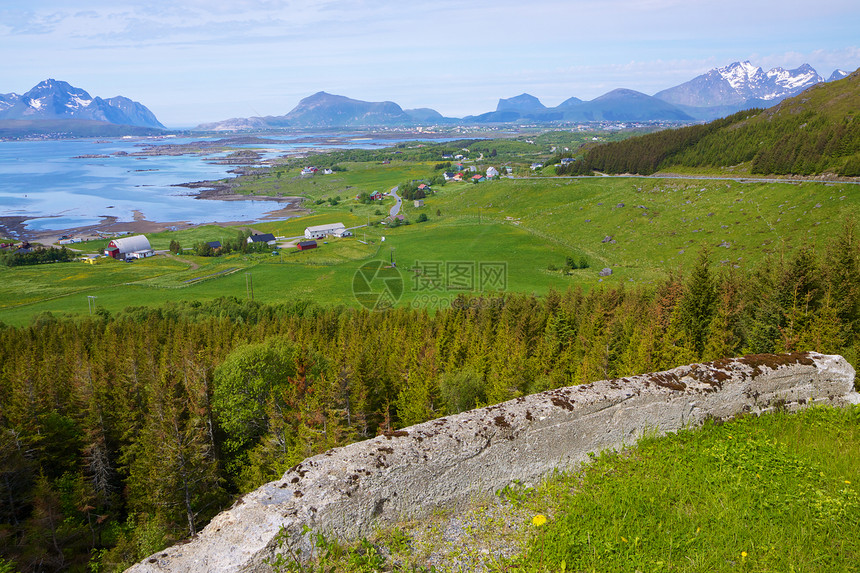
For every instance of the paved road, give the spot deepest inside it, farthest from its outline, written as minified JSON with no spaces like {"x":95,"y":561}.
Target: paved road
{"x":396,"y":208}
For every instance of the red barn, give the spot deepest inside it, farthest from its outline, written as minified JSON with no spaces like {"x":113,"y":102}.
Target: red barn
{"x":136,"y":247}
{"x":306,"y":245}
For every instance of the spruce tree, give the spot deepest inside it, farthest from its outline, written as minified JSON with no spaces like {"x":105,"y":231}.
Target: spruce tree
{"x":696,"y":308}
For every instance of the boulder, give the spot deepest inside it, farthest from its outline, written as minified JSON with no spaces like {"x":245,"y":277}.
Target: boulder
{"x":409,"y":473}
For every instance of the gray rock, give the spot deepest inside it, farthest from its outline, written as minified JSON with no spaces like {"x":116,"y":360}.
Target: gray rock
{"x":605,"y":272}
{"x":406,"y":474}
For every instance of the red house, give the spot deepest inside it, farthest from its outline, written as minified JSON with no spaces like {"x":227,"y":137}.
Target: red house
{"x":306,"y":245}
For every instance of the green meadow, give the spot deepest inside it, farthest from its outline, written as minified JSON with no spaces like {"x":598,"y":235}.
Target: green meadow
{"x":641,"y":228}
{"x":359,"y":176}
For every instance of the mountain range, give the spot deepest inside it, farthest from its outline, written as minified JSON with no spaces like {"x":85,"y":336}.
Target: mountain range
{"x":717,"y":93}
{"x":811,"y":133}
{"x":57,"y":100}
{"x":54,"y":105}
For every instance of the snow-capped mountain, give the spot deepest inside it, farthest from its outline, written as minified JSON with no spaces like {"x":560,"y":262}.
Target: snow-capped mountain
{"x":838,"y":75}
{"x":53,"y":99}
{"x":739,"y":83}
{"x":7,"y":101}
{"x":138,"y":113}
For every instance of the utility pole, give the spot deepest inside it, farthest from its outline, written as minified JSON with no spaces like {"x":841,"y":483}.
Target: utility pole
{"x":91,"y":303}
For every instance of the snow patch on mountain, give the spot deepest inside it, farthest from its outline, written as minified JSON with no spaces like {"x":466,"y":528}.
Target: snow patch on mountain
{"x":739,"y":75}
{"x":739,"y":85}
{"x":78,"y":102}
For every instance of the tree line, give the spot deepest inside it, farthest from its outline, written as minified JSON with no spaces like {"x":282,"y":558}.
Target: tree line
{"x":37,"y":256}
{"x":122,"y":434}
{"x":803,"y":143}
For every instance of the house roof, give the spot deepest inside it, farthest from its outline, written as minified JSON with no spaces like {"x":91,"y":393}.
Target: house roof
{"x":262,"y":238}
{"x":214,"y":244}
{"x":326,"y":228}
{"x":132,"y":244}
{"x":306,"y":244}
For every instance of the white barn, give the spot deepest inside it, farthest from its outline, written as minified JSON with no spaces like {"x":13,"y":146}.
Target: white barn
{"x":135,"y":247}
{"x":322,"y":231}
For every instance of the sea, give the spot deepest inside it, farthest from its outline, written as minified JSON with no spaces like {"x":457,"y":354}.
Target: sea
{"x":58,"y":184}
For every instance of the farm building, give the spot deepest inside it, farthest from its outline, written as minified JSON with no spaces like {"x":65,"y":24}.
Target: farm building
{"x":320,"y":231}
{"x":306,"y":245}
{"x":135,"y":247}
{"x":267,"y":238}
{"x":418,"y":202}
{"x":492,"y":172}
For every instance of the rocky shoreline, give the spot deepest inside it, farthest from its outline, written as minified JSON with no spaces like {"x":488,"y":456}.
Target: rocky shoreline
{"x":15,"y":227}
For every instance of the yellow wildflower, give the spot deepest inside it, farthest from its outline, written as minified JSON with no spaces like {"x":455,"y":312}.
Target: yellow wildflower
{"x":538,"y":520}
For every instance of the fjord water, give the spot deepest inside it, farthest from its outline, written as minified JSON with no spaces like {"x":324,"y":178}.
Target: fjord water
{"x":49,"y":183}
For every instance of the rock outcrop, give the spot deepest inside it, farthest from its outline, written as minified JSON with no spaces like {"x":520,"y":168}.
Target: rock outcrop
{"x":449,"y":461}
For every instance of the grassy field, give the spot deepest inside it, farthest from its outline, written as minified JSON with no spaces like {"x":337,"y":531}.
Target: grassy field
{"x":358,"y":177}
{"x":640,"y":228}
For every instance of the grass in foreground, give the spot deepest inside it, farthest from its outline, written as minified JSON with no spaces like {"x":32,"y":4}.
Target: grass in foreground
{"x":771,"y":493}
{"x":776,"y":493}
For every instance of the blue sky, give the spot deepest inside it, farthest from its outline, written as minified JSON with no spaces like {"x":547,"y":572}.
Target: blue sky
{"x":193,"y":61}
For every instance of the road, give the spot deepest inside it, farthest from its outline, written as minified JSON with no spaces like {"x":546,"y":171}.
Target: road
{"x":398,"y":202}
{"x":700,"y":177}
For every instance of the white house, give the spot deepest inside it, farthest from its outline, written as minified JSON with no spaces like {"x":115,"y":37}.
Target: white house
{"x":492,"y":172}
{"x":267,"y":238}
{"x":321,"y":231}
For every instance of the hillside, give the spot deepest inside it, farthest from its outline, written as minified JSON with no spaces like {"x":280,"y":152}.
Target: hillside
{"x":121,"y":424}
{"x":809,"y":134}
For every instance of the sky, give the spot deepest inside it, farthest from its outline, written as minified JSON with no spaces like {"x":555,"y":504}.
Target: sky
{"x":196,"y":61}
